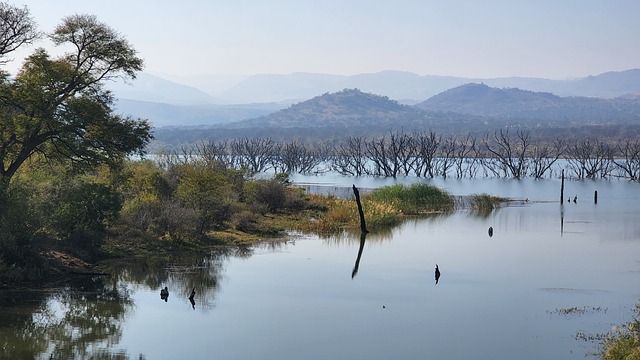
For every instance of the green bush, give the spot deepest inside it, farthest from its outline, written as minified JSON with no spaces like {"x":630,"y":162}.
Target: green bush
{"x":271,"y":194}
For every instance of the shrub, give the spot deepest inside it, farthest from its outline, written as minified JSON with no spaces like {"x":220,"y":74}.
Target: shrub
{"x":270,"y":193}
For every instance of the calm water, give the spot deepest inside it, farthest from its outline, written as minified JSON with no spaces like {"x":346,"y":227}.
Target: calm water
{"x":499,"y":297}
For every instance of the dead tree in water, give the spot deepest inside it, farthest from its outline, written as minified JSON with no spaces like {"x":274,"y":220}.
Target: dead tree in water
{"x":363,"y":225}
{"x":510,"y":153}
{"x":562,"y":189}
{"x":629,"y":164}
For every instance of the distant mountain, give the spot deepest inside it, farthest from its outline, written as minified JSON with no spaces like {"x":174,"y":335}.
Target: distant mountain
{"x":328,"y":117}
{"x":408,"y":87}
{"x":167,"y":102}
{"x":346,"y":108}
{"x":485,"y":101}
{"x":150,"y":88}
{"x":162,"y":114}
{"x":608,"y":85}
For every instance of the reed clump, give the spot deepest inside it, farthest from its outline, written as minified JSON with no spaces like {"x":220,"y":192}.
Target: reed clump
{"x":414,"y":199}
{"x":486,"y":201}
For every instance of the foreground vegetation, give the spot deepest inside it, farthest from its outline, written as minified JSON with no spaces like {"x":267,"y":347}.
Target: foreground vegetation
{"x":143,"y":207}
{"x":621,"y":343}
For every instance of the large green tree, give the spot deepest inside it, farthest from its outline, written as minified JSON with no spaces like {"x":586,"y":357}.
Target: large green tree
{"x":58,"y":108}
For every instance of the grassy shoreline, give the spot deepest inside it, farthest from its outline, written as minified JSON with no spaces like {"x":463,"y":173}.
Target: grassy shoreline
{"x":384,"y":208}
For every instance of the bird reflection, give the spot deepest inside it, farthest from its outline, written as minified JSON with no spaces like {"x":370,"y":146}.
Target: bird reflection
{"x":193,"y":294}
{"x":490,"y":231}
{"x":437,"y":274}
{"x":164,"y":294}
{"x":363,"y":237}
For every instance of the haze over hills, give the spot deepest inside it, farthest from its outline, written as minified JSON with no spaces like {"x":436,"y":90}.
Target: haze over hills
{"x":150,"y":96}
{"x":469,"y":109}
{"x":397,"y":85}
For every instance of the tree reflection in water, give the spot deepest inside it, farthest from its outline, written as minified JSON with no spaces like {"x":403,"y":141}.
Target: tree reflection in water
{"x":85,"y":319}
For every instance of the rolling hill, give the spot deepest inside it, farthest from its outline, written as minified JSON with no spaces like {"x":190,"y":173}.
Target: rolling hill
{"x":533,"y":107}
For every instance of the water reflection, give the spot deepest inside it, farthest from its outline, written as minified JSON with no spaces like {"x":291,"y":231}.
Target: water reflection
{"x":363,"y":238}
{"x":83,"y":320}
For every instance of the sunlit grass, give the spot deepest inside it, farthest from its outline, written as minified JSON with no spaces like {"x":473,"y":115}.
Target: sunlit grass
{"x":343,"y":214}
{"x":383,"y":208}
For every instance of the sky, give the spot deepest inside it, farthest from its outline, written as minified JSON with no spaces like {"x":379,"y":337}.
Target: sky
{"x":553,"y":39}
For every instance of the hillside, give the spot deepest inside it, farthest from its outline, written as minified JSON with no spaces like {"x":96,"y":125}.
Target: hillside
{"x":346,"y":108}
{"x":528,"y":106}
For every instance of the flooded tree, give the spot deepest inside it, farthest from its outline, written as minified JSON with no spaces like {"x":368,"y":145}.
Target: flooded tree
{"x":590,"y":159}
{"x":295,"y":156}
{"x":543,"y":156}
{"x":349,"y":157}
{"x":446,"y":159}
{"x":254,"y":154}
{"x":427,"y":145}
{"x":465,"y":158}
{"x":629,"y":163}
{"x":381,"y":153}
{"x":510,"y":153}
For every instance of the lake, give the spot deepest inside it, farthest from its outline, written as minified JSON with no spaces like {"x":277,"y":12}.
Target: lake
{"x":548,"y":273}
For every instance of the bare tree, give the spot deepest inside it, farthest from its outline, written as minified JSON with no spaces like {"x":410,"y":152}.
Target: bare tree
{"x":465,"y":159}
{"x":426,"y":145}
{"x":590,"y":159}
{"x":543,"y":156}
{"x":380,"y":153}
{"x":254,"y":154}
{"x":403,"y":151}
{"x":629,"y":164}
{"x":446,"y":159}
{"x":350,"y":157}
{"x":295,"y":156}
{"x":510,"y":153}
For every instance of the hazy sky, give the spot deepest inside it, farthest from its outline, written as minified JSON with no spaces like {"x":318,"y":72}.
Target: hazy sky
{"x":554,"y":39}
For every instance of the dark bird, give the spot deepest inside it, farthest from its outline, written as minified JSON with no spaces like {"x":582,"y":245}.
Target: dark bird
{"x":164,"y":294}
{"x":193,"y":293}
{"x":490,"y":231}
{"x":437,"y":273}
{"x":575,"y":199}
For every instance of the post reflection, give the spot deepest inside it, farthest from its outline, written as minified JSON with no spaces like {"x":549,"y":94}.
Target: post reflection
{"x":363,"y":238}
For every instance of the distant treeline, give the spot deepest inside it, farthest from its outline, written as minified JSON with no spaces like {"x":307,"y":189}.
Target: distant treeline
{"x":516,"y":154}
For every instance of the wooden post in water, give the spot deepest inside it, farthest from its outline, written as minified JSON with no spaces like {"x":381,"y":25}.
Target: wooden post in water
{"x":595,"y":197}
{"x":562,"y":189}
{"x":363,"y":225}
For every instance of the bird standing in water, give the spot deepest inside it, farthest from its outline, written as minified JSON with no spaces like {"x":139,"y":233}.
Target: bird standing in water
{"x":437,"y":273}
